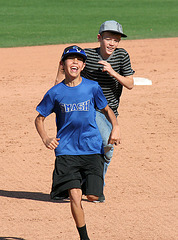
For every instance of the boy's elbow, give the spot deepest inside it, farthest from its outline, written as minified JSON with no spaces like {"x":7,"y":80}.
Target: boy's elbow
{"x":131,"y":86}
{"x":130,"y":82}
{"x":37,"y":120}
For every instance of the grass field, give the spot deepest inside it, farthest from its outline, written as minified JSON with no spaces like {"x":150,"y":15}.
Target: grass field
{"x":41,"y":22}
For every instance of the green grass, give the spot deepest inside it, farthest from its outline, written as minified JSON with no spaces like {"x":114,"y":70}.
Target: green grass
{"x":41,"y":22}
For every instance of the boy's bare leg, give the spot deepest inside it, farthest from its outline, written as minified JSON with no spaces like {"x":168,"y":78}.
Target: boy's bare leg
{"x":78,"y":213}
{"x":76,"y":206}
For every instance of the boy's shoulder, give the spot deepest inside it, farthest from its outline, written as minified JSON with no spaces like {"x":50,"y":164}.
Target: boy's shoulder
{"x":89,"y":82}
{"x":119,"y":53}
{"x":55,"y":89}
{"x":120,"y":50}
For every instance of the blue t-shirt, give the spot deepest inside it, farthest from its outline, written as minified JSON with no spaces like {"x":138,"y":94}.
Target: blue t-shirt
{"x":75,"y":116}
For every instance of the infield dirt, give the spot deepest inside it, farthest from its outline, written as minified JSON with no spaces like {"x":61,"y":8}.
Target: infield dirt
{"x":141,"y":182}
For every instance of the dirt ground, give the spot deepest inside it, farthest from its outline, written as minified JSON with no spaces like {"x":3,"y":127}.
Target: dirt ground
{"x":141,"y":200}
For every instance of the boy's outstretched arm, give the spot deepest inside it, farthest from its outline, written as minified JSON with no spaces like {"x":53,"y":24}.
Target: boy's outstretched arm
{"x":114,"y":137}
{"x":50,"y":143}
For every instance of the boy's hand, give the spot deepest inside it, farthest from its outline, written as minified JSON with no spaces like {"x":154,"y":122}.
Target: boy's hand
{"x":51,"y":143}
{"x":107,"y":67}
{"x":114,"y":137}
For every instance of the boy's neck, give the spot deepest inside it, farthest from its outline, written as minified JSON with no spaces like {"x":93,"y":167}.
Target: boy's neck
{"x":73,"y":82}
{"x":104,"y":56}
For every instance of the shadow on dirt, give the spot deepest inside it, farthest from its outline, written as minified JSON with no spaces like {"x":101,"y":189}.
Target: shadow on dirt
{"x":37,"y":196}
{"x":11,"y":238}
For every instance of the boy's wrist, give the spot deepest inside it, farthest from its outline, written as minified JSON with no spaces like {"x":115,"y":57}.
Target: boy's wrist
{"x":45,"y":139}
{"x":114,"y":74}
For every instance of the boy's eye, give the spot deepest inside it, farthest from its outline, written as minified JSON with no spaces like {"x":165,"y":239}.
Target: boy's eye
{"x":110,"y":39}
{"x":80,"y":59}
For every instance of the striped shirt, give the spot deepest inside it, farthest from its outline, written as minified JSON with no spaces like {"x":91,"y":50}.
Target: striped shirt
{"x":120,"y":62}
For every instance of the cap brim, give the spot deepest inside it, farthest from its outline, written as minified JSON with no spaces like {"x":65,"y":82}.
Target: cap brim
{"x":74,"y":53}
{"x":123,"y":35}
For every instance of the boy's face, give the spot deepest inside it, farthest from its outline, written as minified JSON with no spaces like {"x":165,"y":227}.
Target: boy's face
{"x":73,"y":65}
{"x":108,"y":43}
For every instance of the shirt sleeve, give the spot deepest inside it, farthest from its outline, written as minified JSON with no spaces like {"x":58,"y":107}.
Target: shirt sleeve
{"x":46,"y":106}
{"x":126,"y":66}
{"x":100,"y":99}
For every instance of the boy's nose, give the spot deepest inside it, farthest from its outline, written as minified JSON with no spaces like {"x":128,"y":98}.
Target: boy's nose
{"x":112,"y":42}
{"x":75,"y":60}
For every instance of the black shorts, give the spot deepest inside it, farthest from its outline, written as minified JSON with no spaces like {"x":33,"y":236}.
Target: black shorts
{"x":72,"y":170}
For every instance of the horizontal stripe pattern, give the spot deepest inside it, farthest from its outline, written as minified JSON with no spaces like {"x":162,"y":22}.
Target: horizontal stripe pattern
{"x":112,"y":89}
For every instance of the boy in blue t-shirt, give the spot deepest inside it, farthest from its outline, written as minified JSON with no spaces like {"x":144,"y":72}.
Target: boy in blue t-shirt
{"x":78,"y":144}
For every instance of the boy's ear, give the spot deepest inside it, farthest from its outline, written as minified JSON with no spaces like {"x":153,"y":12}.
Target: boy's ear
{"x":99,"y":37}
{"x":61,"y":64}
{"x":84,"y":64}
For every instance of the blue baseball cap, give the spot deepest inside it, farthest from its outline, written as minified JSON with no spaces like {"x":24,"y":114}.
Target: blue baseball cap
{"x":73,"y":50}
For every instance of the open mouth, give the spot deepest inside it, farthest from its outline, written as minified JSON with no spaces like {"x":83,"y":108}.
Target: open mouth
{"x":110,"y":49}
{"x":74,"y":68}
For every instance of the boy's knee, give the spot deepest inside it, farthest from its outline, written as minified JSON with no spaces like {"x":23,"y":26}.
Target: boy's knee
{"x":75,"y":195}
{"x":92,"y":198}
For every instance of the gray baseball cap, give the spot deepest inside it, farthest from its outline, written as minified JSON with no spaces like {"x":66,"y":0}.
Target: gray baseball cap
{"x":112,"y":26}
